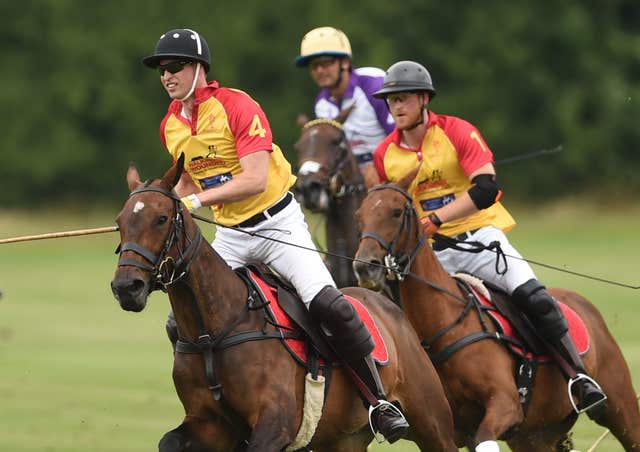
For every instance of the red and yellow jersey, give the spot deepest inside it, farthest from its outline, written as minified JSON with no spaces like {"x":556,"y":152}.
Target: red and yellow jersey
{"x":451,"y":150}
{"x":226,"y":125}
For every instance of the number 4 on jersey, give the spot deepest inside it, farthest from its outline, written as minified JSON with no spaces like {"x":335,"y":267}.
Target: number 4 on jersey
{"x":256,"y":127}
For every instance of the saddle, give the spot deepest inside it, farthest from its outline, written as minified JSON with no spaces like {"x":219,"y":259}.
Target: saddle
{"x":288,"y":313}
{"x":513,"y":329}
{"x":519,"y":332}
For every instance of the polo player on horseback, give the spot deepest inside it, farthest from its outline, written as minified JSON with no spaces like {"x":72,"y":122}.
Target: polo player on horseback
{"x":456,"y":193}
{"x":233,"y":167}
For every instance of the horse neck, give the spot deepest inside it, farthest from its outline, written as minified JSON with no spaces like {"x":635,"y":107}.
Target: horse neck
{"x":342,"y":238}
{"x":433,"y":307}
{"x":341,"y":225}
{"x":219,"y":294}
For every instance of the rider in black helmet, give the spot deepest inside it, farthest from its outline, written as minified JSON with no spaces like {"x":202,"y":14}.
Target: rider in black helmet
{"x":233,"y":166}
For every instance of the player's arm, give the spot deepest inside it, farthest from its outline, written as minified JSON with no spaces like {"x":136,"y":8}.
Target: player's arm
{"x":482,"y":194}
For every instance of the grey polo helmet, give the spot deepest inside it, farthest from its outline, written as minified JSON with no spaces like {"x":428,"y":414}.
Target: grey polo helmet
{"x":180,"y":43}
{"x":406,"y":76}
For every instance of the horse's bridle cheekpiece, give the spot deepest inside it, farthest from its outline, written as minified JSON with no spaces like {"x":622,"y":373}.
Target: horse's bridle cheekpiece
{"x":398,"y":262}
{"x":164,"y":268}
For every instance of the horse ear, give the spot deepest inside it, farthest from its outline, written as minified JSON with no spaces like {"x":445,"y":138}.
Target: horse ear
{"x":406,"y":180}
{"x":172,"y":176}
{"x":302,"y":119}
{"x":133,"y":177}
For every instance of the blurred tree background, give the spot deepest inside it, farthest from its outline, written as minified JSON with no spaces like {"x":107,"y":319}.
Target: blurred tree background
{"x":78,"y":106}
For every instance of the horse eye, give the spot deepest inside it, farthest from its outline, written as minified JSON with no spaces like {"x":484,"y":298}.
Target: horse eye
{"x":397,"y":213}
{"x":162,"y":219}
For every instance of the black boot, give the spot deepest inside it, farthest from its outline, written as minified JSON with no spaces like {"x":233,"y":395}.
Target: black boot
{"x":352,"y":342}
{"x":590,"y":396}
{"x":545,"y":314}
{"x":384,"y":417}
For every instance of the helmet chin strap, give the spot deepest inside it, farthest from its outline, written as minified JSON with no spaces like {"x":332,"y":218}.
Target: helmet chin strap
{"x":337,"y":83}
{"x":193,"y":85}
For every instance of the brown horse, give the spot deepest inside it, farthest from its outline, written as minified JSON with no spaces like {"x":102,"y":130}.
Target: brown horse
{"x":248,"y":395}
{"x":330,"y":183}
{"x":479,"y":377}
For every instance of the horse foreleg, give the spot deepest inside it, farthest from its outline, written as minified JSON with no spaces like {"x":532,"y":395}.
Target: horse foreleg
{"x":273,"y":429}
{"x":502,"y":412}
{"x":198,"y":435}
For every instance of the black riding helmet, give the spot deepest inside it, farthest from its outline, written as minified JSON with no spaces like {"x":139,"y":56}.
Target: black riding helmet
{"x":180,"y":43}
{"x":406,"y":76}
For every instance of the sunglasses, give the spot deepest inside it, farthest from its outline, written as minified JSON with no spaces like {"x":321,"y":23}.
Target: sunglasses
{"x":322,"y":62}
{"x":174,"y":67}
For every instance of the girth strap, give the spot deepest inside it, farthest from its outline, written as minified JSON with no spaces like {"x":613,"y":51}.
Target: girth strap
{"x":457,"y":345}
{"x":235,"y":339}
{"x":207,"y":346}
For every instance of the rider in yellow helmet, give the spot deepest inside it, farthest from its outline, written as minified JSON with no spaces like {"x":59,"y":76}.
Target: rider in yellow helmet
{"x":346,"y":93}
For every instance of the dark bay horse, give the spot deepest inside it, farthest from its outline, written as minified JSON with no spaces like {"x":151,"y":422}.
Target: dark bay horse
{"x":330,"y":183}
{"x":479,"y":377}
{"x":260,"y":387}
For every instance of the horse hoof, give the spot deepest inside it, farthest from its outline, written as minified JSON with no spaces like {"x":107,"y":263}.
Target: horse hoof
{"x":171,"y":442}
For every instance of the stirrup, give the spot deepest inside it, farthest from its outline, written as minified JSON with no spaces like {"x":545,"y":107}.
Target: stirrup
{"x":581,"y":376}
{"x":379,"y":437}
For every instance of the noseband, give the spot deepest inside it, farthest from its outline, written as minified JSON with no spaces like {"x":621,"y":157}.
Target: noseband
{"x":164,"y":268}
{"x":398,"y":262}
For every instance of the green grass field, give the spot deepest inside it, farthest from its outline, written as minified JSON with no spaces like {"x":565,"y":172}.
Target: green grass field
{"x":80,"y":374}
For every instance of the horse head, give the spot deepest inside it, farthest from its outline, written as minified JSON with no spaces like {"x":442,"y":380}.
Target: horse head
{"x":390,"y":233}
{"x":154,"y":243}
{"x":326,"y":167}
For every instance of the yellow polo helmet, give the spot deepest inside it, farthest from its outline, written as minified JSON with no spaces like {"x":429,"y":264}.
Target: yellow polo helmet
{"x":323,"y":41}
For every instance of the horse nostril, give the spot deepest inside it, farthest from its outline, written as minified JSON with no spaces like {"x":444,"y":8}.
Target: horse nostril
{"x":129,"y":287}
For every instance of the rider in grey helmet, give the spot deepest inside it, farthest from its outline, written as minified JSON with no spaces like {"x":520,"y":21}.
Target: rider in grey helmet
{"x":458,"y":195}
{"x":408,"y":76}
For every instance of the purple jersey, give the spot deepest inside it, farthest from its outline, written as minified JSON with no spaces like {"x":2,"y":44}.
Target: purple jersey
{"x":369,"y":122}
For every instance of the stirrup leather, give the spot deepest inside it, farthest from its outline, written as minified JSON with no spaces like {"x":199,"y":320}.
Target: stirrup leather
{"x":379,"y":437}
{"x":572,"y":381}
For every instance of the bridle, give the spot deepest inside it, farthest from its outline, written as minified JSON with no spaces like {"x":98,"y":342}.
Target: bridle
{"x":398,"y":262}
{"x":165,"y":270}
{"x":337,"y":185}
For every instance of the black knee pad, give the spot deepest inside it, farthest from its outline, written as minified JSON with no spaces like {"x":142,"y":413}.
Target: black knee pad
{"x":348,"y":334}
{"x":543,"y":310}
